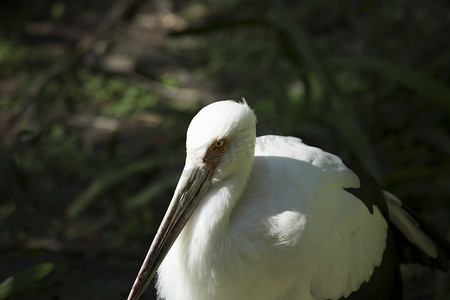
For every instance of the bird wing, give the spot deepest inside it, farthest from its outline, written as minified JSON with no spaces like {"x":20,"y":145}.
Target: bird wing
{"x":337,"y":240}
{"x":416,"y":240}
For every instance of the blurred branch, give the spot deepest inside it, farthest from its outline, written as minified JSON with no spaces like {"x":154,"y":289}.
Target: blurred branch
{"x":82,"y":49}
{"x":220,"y":25}
{"x":117,"y":11}
{"x":169,"y":92}
{"x":29,"y":101}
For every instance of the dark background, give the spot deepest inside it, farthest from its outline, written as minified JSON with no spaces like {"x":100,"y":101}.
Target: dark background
{"x":96,"y":97}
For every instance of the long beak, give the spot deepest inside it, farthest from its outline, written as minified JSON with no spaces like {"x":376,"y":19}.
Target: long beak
{"x":192,"y":185}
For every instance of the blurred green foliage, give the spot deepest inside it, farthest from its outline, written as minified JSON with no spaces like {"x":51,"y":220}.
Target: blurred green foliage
{"x":16,"y":284}
{"x":90,"y":160}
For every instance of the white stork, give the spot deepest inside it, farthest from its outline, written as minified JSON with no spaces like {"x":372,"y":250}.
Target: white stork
{"x":272,"y":218}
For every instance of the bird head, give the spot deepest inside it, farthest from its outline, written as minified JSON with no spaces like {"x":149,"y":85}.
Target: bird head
{"x":221,"y":138}
{"x":220,"y":142}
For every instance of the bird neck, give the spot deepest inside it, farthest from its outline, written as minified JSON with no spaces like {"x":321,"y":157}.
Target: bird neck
{"x":213,"y":213}
{"x":210,"y":224}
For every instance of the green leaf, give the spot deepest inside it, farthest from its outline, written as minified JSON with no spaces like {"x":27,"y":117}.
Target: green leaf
{"x":148,"y":193}
{"x":106,"y":181}
{"x":18,"y":283}
{"x":412,"y":79}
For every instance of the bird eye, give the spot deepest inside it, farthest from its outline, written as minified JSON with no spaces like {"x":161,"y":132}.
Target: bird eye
{"x":219,"y":143}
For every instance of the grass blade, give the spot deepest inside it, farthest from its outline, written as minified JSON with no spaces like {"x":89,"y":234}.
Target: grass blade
{"x":18,"y":283}
{"x":106,"y":181}
{"x":342,"y":115}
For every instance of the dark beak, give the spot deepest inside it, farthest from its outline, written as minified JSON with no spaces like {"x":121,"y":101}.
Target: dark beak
{"x":192,"y":185}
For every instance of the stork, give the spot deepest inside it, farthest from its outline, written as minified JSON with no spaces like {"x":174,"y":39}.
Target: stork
{"x":272,"y":218}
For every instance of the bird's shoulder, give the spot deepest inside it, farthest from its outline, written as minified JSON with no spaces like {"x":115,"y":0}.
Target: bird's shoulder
{"x":304,"y":160}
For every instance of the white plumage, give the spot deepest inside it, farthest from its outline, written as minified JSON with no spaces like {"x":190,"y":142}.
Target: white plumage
{"x":306,"y":239}
{"x":273,"y":218}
